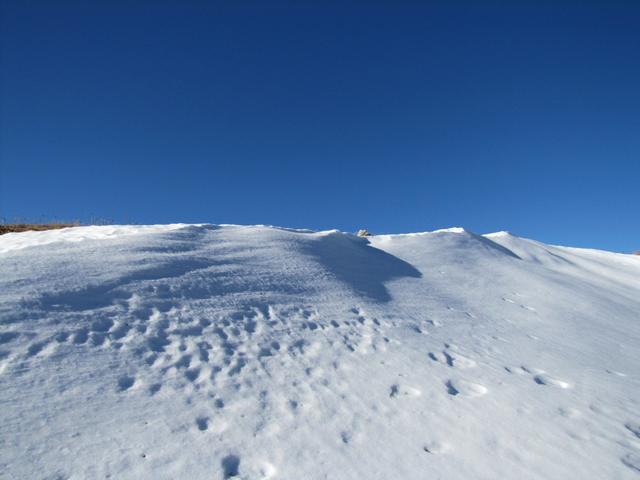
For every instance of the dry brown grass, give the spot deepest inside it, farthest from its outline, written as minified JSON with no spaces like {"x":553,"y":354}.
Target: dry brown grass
{"x":25,"y":227}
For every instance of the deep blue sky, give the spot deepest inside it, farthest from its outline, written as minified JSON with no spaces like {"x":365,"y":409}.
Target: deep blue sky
{"x":398,"y":116}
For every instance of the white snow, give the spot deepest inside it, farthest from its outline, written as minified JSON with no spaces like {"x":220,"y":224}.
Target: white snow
{"x":14,"y":241}
{"x":204,"y":352}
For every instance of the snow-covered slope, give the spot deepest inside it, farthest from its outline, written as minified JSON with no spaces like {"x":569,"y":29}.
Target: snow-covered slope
{"x":204,"y":352}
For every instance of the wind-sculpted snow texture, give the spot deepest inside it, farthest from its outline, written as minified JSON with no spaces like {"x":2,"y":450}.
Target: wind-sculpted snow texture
{"x":217,"y":352}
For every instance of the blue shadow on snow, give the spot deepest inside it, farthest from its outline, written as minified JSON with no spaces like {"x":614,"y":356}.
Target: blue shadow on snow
{"x":365,"y":269}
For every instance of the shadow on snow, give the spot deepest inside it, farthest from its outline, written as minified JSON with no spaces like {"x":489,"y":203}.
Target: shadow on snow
{"x":365,"y":269}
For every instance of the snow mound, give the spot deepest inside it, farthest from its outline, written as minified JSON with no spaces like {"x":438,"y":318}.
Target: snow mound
{"x":15,"y":241}
{"x":249,"y":352}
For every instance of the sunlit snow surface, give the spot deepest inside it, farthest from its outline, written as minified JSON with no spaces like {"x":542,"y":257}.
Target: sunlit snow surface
{"x":213,"y":352}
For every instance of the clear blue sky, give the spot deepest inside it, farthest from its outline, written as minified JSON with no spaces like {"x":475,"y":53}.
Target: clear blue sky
{"x":394,"y":116}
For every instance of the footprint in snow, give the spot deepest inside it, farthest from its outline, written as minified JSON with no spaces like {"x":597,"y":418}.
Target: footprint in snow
{"x":267,"y":470}
{"x":516,"y":370}
{"x":154,"y":388}
{"x":526,"y":307}
{"x":125,"y":382}
{"x":465,"y":388}
{"x":569,"y":412}
{"x":632,"y":460}
{"x":437,"y":357}
{"x":633,"y":427}
{"x":35,"y":348}
{"x":230,"y":466}
{"x":452,"y":359}
{"x":539,"y":376}
{"x":545,"y":379}
{"x":403,"y":390}
{"x":202,"y":423}
{"x":80,"y":336}
{"x":436,"y":447}
{"x":7,"y":337}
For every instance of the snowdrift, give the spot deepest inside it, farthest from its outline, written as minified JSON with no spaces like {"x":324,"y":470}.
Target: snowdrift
{"x":204,"y":352}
